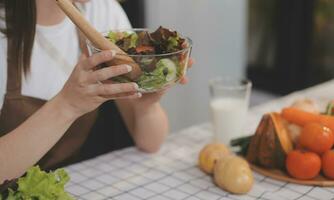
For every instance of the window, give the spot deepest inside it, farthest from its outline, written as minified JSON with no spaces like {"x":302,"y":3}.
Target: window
{"x":290,"y":43}
{"x":135,"y":9}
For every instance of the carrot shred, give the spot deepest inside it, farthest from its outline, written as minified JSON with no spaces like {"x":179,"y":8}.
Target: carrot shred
{"x":144,"y":48}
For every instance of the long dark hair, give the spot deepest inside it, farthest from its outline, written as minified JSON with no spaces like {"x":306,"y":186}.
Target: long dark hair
{"x":20,"y":18}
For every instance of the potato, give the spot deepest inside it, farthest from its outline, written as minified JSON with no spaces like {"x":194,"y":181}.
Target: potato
{"x":234,"y":175}
{"x":210,"y":154}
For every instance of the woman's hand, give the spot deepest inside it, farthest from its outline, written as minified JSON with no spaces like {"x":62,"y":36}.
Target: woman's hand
{"x":85,"y":89}
{"x":153,"y":98}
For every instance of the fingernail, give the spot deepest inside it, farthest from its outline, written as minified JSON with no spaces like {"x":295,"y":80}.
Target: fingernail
{"x":129,"y":68}
{"x":136,"y":86}
{"x":139,"y":94}
{"x":113,"y":53}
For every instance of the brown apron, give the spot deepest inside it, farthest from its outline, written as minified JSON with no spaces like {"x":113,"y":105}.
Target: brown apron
{"x":17,"y":108}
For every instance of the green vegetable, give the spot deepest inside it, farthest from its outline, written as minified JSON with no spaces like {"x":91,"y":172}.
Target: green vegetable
{"x":173,"y":43}
{"x":133,"y":40}
{"x":152,"y":80}
{"x":165,"y":71}
{"x":330,"y":109}
{"x":242,"y":143}
{"x":13,"y":195}
{"x":146,"y":61}
{"x":39,"y":185}
{"x":169,"y":67}
{"x":121,"y":79}
{"x":129,"y":41}
{"x":113,"y":37}
{"x":116,"y":36}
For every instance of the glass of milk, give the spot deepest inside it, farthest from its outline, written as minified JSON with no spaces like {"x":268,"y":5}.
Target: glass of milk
{"x":228,"y":106}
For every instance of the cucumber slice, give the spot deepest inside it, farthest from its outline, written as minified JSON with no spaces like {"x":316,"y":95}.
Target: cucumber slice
{"x":170,"y":69}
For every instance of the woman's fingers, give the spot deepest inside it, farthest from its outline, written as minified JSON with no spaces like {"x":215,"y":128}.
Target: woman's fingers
{"x":184,"y":80}
{"x":108,"y":72}
{"x":190,"y":62}
{"x":115,"y":89}
{"x":126,"y":95}
{"x":97,"y":59}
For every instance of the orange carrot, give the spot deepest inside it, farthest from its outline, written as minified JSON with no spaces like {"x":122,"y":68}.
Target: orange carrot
{"x":144,"y":48}
{"x":302,"y":118}
{"x":299,"y":117}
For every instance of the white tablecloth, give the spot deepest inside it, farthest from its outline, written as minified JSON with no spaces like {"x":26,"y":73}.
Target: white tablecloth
{"x":172,"y":173}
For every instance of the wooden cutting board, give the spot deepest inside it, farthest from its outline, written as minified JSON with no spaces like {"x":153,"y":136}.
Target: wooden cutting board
{"x":283,"y":176}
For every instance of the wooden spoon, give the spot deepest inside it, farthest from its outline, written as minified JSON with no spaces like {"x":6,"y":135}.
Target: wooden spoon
{"x":97,"y":39}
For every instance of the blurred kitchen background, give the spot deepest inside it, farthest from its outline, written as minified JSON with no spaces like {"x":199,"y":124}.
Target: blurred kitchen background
{"x":281,"y":45}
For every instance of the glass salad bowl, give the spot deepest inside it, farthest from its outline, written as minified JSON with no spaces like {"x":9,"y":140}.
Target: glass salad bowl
{"x":162,"y":55}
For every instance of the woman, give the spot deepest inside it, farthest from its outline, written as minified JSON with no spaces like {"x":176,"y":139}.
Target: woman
{"x":49,"y":93}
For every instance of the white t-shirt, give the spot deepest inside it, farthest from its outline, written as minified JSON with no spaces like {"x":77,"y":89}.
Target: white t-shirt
{"x":47,"y":76}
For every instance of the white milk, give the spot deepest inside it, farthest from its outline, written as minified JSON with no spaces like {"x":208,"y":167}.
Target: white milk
{"x":228,"y":117}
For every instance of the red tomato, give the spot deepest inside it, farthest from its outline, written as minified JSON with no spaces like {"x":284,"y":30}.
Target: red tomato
{"x":316,"y":138}
{"x":303,"y":165}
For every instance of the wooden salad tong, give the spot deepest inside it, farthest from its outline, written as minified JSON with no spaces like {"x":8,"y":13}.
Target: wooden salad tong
{"x":98,"y":40}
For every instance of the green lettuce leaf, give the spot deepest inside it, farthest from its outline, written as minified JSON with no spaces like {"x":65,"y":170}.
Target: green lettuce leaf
{"x":113,"y":37}
{"x":40,"y":185}
{"x":172,"y":43}
{"x":152,"y":80}
{"x":130,"y":42}
{"x":165,"y":71}
{"x":13,"y":195}
{"x":134,"y":39}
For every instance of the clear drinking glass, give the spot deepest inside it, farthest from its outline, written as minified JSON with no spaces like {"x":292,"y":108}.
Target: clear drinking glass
{"x":228,"y":106}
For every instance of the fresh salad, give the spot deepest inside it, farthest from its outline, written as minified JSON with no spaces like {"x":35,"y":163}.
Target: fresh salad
{"x":37,"y":185}
{"x":162,"y":55}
